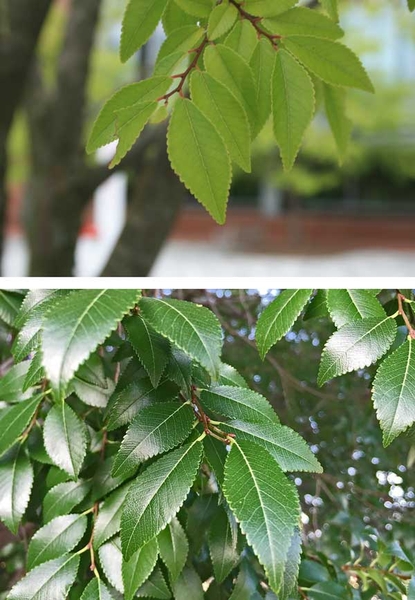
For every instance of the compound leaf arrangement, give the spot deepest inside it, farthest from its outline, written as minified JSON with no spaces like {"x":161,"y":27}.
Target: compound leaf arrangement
{"x":225,"y":69}
{"x":135,"y":449}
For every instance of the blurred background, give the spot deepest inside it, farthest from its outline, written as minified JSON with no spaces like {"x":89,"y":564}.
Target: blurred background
{"x":65,"y":214}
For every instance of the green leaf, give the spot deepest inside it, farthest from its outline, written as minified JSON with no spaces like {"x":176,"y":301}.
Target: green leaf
{"x":317,"y":308}
{"x":103,"y":483}
{"x":238,"y":403}
{"x":156,"y":495}
{"x":289,"y":580}
{"x":223,"y":109}
{"x":188,"y":585}
{"x":268,"y":8}
{"x":179,"y":370}
{"x":394,"y":392}
{"x":278,"y":318}
{"x":331,"y":8}
{"x":292,"y":105}
{"x":138,"y":568}
{"x":91,"y":394}
{"x":55,"y":539}
{"x":328,"y":590}
{"x":96,"y":590}
{"x":16,"y":481}
{"x":62,"y":498}
{"x":152,"y":349}
{"x":80,"y":322}
{"x":52,"y":579}
{"x":14,"y":420}
{"x":110,"y":557}
{"x":242,"y":39}
{"x":193,"y":328}
{"x":215,"y":454}
{"x":346,"y":306}
{"x":136,"y":396}
{"x":230,"y":376}
{"x":174,"y":548}
{"x":265,"y":503}
{"x":221,"y":19}
{"x":262,"y":63}
{"x":10,"y":303}
{"x":288,"y":448}
{"x":198,"y":8}
{"x":223,"y":537}
{"x":182,"y":39}
{"x":12,"y":383}
{"x":155,"y":586}
{"x":356,"y":345}
{"x":108,"y":521}
{"x":130,"y":122}
{"x":104,"y":130}
{"x":65,"y":439}
{"x":331,"y":61}
{"x":174,"y":18}
{"x":233,"y":71}
{"x":302,"y":21}
{"x":140,"y":20}
{"x":340,"y":124}
{"x":199,"y":157}
{"x":155,"y":430}
{"x":35,"y":372}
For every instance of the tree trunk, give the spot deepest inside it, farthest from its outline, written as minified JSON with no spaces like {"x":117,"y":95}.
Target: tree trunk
{"x":155,"y":202}
{"x":21,"y":26}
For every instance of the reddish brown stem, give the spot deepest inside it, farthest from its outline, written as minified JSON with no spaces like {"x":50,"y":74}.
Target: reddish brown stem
{"x":255,"y":22}
{"x":404,"y":316}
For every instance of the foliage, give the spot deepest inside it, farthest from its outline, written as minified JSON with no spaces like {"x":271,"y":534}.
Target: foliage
{"x":149,"y":466}
{"x":242,"y":64}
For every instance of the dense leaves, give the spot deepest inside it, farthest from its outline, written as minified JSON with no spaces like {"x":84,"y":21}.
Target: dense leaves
{"x":224,"y":70}
{"x":138,"y":464}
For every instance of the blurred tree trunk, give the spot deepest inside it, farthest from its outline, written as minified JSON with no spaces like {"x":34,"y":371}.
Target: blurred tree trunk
{"x":21,"y":24}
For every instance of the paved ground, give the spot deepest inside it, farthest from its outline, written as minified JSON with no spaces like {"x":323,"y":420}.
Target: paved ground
{"x":185,"y":259}
{"x":190,"y":259}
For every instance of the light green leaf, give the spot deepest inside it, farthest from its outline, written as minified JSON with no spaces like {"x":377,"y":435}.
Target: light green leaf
{"x":230,"y":376}
{"x":64,"y":436}
{"x":174,"y":18}
{"x":328,"y":590}
{"x":278,"y":318}
{"x":238,"y":403}
{"x":346,"y":306}
{"x":155,"y":430}
{"x":96,"y":590}
{"x":331,"y":8}
{"x":108,"y":521}
{"x":223,"y":537}
{"x":199,"y":157}
{"x":156,"y":495}
{"x":52,"y":579}
{"x":130,"y":122}
{"x":292,"y":105}
{"x":340,"y":124}
{"x":138,"y":568}
{"x":262,"y":63}
{"x":331,"y":61}
{"x":234,"y":72}
{"x":63,"y":497}
{"x":16,"y":480}
{"x":188,"y":585}
{"x":394,"y":392}
{"x":221,"y":19}
{"x":288,"y":448}
{"x":303,"y":21}
{"x":268,"y":8}
{"x":198,"y":8}
{"x":15,"y":419}
{"x":242,"y":39}
{"x":223,"y":109}
{"x":80,"y":322}
{"x":182,"y":39}
{"x":174,"y":548}
{"x":152,"y":349}
{"x":140,"y":20}
{"x":265,"y":503}
{"x":104,"y":130}
{"x":356,"y":345}
{"x":136,"y":396}
{"x":193,"y":328}
{"x":155,"y":586}
{"x":55,"y":539}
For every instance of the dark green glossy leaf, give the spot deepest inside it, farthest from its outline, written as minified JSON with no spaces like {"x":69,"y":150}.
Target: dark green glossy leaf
{"x":16,"y":481}
{"x":223,"y":537}
{"x":174,"y":548}
{"x":14,"y":420}
{"x":109,"y":517}
{"x":238,"y":403}
{"x":96,"y":590}
{"x":63,"y":497}
{"x":138,"y":568}
{"x":152,"y":349}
